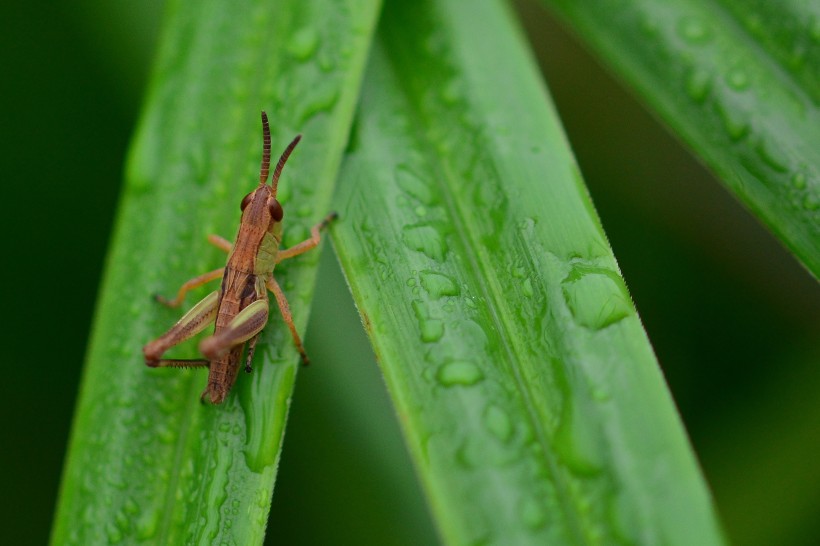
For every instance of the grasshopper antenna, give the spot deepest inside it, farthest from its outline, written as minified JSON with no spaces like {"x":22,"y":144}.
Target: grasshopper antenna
{"x":281,"y":164}
{"x":263,"y":172}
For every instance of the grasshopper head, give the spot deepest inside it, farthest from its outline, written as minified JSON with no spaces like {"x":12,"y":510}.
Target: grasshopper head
{"x":261,"y":208}
{"x":261,"y":205}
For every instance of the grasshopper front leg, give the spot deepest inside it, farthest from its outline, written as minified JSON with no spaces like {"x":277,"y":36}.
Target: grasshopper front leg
{"x":247,"y":323}
{"x":220,"y":242}
{"x":194,"y":321}
{"x":190,"y":285}
{"x":307,"y":244}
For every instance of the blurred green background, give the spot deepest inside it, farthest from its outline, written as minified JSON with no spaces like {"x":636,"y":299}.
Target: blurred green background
{"x":733,"y":318}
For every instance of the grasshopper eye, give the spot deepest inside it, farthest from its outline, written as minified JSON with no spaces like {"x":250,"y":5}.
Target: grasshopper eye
{"x":245,"y":201}
{"x":276,"y":211}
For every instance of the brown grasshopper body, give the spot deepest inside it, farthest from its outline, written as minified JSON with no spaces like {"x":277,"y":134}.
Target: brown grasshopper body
{"x":240,"y":307}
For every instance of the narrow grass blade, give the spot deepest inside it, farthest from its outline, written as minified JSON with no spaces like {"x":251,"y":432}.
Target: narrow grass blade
{"x":739,"y":82}
{"x":148,"y":463}
{"x":528,"y":392}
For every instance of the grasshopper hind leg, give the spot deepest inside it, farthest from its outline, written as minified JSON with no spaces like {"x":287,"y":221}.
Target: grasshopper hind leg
{"x":284,"y":308}
{"x":193,"y":322}
{"x":179,"y":363}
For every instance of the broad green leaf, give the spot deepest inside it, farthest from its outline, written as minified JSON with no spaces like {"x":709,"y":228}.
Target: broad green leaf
{"x":147,"y":462}
{"x":739,"y":82}
{"x":528,"y":392}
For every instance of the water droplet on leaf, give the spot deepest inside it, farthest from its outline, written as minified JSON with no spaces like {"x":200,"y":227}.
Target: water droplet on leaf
{"x":694,"y":30}
{"x":799,"y":180}
{"x":698,"y":85}
{"x":426,"y":239}
{"x":303,"y":44}
{"x":431,"y":330}
{"x":438,"y":285}
{"x":735,"y":123}
{"x":413,"y":184}
{"x":596,"y":297}
{"x":532,"y":514}
{"x":738,"y":79}
{"x":498,"y":423}
{"x":457,"y":373}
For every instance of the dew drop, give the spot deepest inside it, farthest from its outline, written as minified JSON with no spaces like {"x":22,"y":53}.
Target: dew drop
{"x":601,"y":394}
{"x":798,"y":56}
{"x":738,"y":79}
{"x":624,"y":517}
{"x":754,"y":22}
{"x":284,"y":193}
{"x":694,"y":30}
{"x":139,"y":184}
{"x":450,"y":93}
{"x":734,"y":123}
{"x":596,"y":298}
{"x":648,"y":25}
{"x":126,"y":350}
{"x":174,"y":262}
{"x":814,"y":29}
{"x":122,"y":521}
{"x":577,"y":438}
{"x":117,"y":481}
{"x":165,"y":434}
{"x":426,"y":239}
{"x":114,"y":534}
{"x":459,"y":372}
{"x":698,"y":85}
{"x":420,"y":211}
{"x":526,"y":288}
{"x":770,"y":154}
{"x":326,"y":63}
{"x":431,"y":330}
{"x":413,"y":184}
{"x":799,"y":180}
{"x":295,"y":235}
{"x":303,"y":44}
{"x":130,"y":507}
{"x":498,"y":423}
{"x":465,"y":455}
{"x":532,"y":513}
{"x":263,"y":500}
{"x":811,"y":202}
{"x":438,"y":285}
{"x":321,"y":101}
{"x":147,"y":525}
{"x":263,"y":424}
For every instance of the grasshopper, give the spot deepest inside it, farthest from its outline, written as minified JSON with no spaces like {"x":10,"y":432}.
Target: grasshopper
{"x":240,"y":306}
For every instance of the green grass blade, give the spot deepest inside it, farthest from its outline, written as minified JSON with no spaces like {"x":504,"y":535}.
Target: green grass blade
{"x":528,"y":392}
{"x":147,"y":462}
{"x":739,"y":82}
